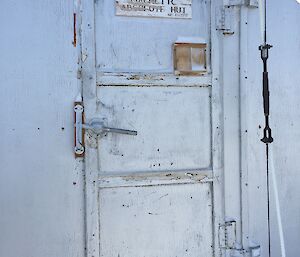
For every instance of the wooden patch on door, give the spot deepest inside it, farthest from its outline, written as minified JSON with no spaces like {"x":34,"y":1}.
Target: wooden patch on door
{"x":176,"y":9}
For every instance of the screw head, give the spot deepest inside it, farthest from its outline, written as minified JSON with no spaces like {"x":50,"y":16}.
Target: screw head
{"x":79,"y":149}
{"x":78,"y":107}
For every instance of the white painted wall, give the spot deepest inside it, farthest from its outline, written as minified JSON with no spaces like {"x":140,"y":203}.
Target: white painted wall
{"x":41,"y":188}
{"x":41,"y":184}
{"x":284,"y":75}
{"x":284,"y":67}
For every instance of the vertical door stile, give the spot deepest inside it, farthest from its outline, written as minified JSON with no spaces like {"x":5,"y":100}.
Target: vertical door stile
{"x":244,"y":110}
{"x":91,"y":151}
{"x":217,"y":129}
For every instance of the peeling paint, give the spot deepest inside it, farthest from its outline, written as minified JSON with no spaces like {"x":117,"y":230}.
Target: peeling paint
{"x":154,"y":178}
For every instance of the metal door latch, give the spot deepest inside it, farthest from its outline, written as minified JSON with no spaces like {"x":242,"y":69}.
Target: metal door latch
{"x":96,"y":126}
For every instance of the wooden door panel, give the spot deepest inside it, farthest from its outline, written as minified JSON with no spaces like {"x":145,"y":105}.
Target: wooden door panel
{"x":153,"y":221}
{"x":173,"y":125}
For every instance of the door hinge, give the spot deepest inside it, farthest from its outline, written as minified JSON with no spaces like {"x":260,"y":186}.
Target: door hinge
{"x":228,"y":241}
{"x":225,"y":15}
{"x":227,"y":235}
{"x":255,"y":250}
{"x":248,"y":3}
{"x":253,"y":3}
{"x":224,"y":20}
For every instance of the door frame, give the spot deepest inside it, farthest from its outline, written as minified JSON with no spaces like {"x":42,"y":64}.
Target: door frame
{"x":89,"y":80}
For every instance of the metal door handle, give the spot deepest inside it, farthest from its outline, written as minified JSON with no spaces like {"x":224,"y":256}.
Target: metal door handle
{"x":120,"y":131}
{"x":97,"y":126}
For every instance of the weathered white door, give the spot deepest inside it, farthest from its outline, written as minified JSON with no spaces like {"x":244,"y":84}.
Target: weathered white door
{"x":148,"y":194}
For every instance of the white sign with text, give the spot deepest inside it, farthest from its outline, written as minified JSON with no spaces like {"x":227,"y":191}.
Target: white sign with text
{"x":180,"y":9}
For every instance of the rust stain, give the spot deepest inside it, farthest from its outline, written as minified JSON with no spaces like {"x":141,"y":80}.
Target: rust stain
{"x":185,"y":58}
{"x":74,"y":30}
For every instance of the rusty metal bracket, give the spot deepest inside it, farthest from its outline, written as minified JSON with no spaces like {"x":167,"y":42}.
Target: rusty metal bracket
{"x":79,"y":130}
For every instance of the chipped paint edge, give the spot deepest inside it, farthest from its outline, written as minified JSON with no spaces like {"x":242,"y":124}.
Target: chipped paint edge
{"x":155,"y":178}
{"x":152,"y":79}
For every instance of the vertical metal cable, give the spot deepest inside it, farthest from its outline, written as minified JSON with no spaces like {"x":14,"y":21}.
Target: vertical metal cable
{"x":267,"y":137}
{"x":268,"y":192}
{"x":267,"y":154}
